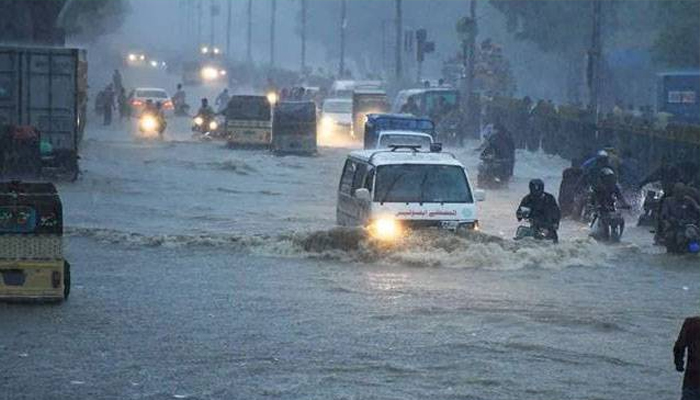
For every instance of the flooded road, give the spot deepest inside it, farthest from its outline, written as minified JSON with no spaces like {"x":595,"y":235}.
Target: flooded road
{"x":206,"y":273}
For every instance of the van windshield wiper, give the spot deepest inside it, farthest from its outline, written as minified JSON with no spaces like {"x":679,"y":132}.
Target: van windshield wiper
{"x":422,"y":187}
{"x":391,"y":187}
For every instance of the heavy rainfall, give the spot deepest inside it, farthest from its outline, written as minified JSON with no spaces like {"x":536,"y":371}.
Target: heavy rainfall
{"x":349,"y":199}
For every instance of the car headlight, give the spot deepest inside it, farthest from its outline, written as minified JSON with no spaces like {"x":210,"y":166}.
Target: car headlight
{"x":132,"y":57}
{"x":149,"y":123}
{"x":209,"y":73}
{"x":386,"y":229}
{"x":222,"y":72}
{"x":198,"y":121}
{"x":326,"y":120}
{"x":213,"y":125}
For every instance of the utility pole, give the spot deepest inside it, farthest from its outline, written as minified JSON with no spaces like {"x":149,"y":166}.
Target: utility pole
{"x":399,"y":38}
{"x":199,"y":23}
{"x":343,"y":25}
{"x":273,"y":12}
{"x":471,"y":52}
{"x":212,"y":21}
{"x":303,"y":36}
{"x":249,"y":39}
{"x":228,"y":30}
{"x":594,"y":60}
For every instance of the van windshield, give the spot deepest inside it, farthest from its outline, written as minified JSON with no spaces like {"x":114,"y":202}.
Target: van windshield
{"x":421,"y":183}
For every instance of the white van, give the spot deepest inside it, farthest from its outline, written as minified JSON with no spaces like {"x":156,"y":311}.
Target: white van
{"x":391,"y":190}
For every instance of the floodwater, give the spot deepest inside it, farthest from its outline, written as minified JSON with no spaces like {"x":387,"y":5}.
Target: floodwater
{"x":206,"y":273}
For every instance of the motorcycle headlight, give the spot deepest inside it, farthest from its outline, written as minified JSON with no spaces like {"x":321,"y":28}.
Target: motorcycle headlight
{"x":148,"y":123}
{"x":386,"y":229}
{"x":213,"y":125}
{"x":198,"y":121}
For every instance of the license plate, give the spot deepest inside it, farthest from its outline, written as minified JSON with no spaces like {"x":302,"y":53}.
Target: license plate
{"x":452,"y":225}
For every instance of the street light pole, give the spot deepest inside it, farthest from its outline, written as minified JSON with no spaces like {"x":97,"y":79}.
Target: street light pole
{"x":273,"y":12}
{"x":303,"y":36}
{"x":249,"y":46}
{"x":399,"y":37}
{"x":228,"y":30}
{"x":343,"y":25}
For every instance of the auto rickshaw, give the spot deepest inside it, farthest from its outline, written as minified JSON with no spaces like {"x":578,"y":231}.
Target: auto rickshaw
{"x":394,"y":122}
{"x":294,"y":128}
{"x":248,"y":122}
{"x":32,"y":266}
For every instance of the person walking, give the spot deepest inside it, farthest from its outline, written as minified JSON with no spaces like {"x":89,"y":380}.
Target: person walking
{"x":688,"y":342}
{"x":108,"y":104}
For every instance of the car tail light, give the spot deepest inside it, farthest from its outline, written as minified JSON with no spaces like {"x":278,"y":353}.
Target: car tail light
{"x":137,"y":103}
{"x":55,"y":279}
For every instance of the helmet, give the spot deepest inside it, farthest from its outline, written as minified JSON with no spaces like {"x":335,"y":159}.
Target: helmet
{"x":536,"y":187}
{"x":602,"y":154}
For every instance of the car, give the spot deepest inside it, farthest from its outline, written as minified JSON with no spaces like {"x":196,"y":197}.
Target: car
{"x":390,"y":191}
{"x":389,"y":139}
{"x":32,"y":266}
{"x":139,"y":96}
{"x":336,"y":118}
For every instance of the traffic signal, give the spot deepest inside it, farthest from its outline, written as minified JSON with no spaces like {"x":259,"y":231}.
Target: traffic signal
{"x":423,"y":46}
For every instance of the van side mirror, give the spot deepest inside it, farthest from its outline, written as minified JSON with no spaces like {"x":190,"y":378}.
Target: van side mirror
{"x":363,"y":194}
{"x":435,"y":147}
{"x":479,"y":195}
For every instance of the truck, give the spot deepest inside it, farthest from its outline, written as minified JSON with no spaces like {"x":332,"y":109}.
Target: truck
{"x":42,"y":90}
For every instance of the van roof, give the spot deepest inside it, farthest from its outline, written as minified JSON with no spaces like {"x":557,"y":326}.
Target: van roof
{"x":404,"y":133}
{"x":404,"y":156}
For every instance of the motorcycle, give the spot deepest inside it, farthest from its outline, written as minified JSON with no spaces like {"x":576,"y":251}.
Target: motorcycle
{"x":493,"y":173}
{"x":151,"y":126}
{"x":534,"y":230}
{"x":684,"y":238}
{"x":651,"y":208}
{"x":205,"y":127}
{"x":607,"y":225}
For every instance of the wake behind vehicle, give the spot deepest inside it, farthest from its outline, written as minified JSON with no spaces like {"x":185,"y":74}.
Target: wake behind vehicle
{"x":294,"y":128}
{"x":378,"y":123}
{"x":389,"y":191}
{"x":248,"y":122}
{"x":32,"y":266}
{"x":650,"y":208}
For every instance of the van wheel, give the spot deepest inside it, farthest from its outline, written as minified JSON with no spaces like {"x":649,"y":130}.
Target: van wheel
{"x":66,"y":280}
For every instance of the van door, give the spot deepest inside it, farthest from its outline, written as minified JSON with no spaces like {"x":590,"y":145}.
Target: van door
{"x":351,"y":211}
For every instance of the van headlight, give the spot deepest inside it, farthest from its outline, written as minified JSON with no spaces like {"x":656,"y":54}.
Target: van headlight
{"x":386,"y":229}
{"x":213,"y":125}
{"x":198,"y":121}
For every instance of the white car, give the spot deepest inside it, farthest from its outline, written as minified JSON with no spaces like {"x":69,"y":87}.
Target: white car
{"x":139,"y":96}
{"x":389,"y":191}
{"x":336,"y":117}
{"x":389,"y":139}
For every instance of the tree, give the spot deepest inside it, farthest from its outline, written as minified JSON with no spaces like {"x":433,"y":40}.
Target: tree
{"x":677,"y":44}
{"x":88,"y":20}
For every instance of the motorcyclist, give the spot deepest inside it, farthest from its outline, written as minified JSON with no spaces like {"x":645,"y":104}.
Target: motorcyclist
{"x":160,"y":116}
{"x":541,"y":208}
{"x":222,"y":99}
{"x":606,"y":192}
{"x":205,"y":111}
{"x":501,"y":146}
{"x":689,"y":339}
{"x":678,"y":210}
{"x":593,"y":166}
